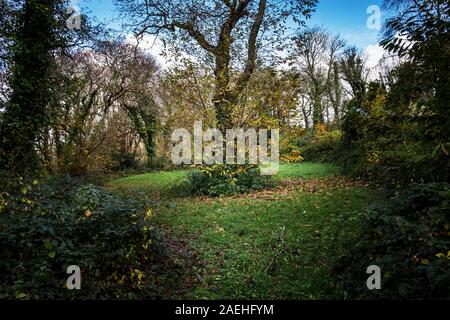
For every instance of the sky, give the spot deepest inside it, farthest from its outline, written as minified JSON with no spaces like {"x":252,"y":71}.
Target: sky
{"x":345,"y":17}
{"x":349,"y":18}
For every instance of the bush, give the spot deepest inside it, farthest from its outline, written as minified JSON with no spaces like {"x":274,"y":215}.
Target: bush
{"x":161,"y":163}
{"x":292,"y":155}
{"x":226,"y":180}
{"x":45,"y":228}
{"x":321,"y":145}
{"x":390,"y":142}
{"x":409,"y":239}
{"x":124,"y":161}
{"x":289,"y":149}
{"x":395,"y":159}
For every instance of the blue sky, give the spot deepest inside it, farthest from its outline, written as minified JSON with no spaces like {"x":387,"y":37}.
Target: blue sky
{"x":102,"y":9}
{"x":346,"y":17}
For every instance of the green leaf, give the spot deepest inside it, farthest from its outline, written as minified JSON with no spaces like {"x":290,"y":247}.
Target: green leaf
{"x":21,"y":295}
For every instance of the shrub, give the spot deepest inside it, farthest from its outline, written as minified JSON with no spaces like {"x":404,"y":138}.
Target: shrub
{"x":124,"y":161}
{"x":292,"y":155}
{"x":389,"y":141}
{"x":395,"y":159}
{"x":45,"y":228}
{"x":409,"y":239}
{"x":320,"y":146}
{"x":223,"y":179}
{"x":160,"y":163}
{"x":289,"y":150}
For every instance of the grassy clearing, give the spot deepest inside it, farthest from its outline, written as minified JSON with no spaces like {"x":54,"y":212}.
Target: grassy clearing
{"x":276,"y":245}
{"x":266,"y":249}
{"x":151,"y":182}
{"x":307,"y":170}
{"x":164,"y":180}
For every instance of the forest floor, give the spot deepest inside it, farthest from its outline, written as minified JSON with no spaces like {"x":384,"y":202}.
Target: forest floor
{"x":272,"y":244}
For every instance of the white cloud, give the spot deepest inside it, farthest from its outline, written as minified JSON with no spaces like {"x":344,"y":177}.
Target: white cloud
{"x":151,"y":45}
{"x":374,"y":54}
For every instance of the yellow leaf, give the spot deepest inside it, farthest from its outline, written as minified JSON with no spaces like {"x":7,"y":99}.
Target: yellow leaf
{"x":88,"y":213}
{"x":425,"y":261}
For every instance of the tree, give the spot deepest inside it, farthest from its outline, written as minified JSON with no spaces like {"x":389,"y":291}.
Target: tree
{"x":315,"y":53}
{"x":222,"y":29}
{"x":336,"y":92}
{"x":270,"y":99}
{"x":25,"y":113}
{"x":97,"y":88}
{"x":353,"y":71}
{"x":132,"y":82}
{"x":420,"y":32}
{"x":79,"y":112}
{"x":32,"y":32}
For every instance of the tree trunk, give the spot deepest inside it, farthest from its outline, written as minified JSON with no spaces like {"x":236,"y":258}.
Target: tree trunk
{"x":223,"y":99}
{"x":145,"y":125}
{"x":25,"y":114}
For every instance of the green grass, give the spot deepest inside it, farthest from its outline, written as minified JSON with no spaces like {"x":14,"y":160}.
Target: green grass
{"x":307,"y":170}
{"x":164,"y":180}
{"x":152,"y":181}
{"x":264,"y":249}
{"x":275,"y":246}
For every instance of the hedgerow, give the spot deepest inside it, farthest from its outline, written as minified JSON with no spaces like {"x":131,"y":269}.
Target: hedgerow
{"x":45,"y":227}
